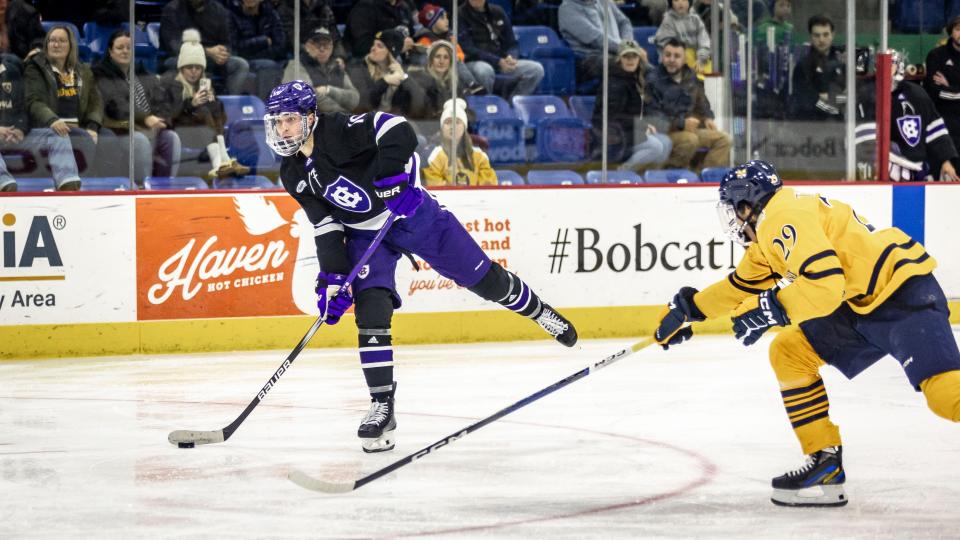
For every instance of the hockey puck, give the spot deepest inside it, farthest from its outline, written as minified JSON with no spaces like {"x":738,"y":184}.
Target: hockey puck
{"x":185,"y":445}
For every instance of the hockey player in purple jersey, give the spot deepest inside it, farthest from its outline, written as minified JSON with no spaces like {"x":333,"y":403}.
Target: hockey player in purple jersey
{"x":349,"y":173}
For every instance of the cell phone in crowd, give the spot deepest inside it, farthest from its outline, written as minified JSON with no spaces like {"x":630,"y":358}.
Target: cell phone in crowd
{"x":205,"y":84}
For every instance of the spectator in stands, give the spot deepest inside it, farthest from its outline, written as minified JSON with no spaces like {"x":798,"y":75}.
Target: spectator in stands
{"x":335,"y":91}
{"x":14,"y":126}
{"x":655,"y":10}
{"x":22,"y":34}
{"x":779,"y":21}
{"x":382,"y":81}
{"x":187,"y":103}
{"x":679,"y":98}
{"x":436,"y":79}
{"x":486,"y":36}
{"x":581,"y":24}
{"x":630,"y":110}
{"x":260,"y":41}
{"x":217,"y":31}
{"x":472,"y":167}
{"x":368,"y":17}
{"x":819,"y":78}
{"x":682,"y":24}
{"x":61,"y":95}
{"x":111,"y":76}
{"x":313,"y":14}
{"x":942,"y":80}
{"x":436,"y":27}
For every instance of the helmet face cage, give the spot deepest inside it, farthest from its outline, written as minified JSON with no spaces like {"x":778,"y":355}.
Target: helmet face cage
{"x":286,"y":146}
{"x":752,"y":183}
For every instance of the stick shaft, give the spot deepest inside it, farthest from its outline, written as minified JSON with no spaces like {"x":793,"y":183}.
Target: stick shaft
{"x":227,"y":431}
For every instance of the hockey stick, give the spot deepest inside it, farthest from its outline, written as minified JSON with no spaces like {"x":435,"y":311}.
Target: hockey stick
{"x":306,"y":481}
{"x":188,"y":439}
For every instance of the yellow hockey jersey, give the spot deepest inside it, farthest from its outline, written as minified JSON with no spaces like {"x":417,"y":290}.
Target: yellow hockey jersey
{"x":823,"y":254}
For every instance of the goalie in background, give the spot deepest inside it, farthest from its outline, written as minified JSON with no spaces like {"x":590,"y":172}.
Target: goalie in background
{"x":920,"y":146}
{"x":847,"y":293}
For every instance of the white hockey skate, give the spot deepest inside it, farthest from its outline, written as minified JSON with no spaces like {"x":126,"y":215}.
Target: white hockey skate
{"x":818,"y":483}
{"x":377,"y":429}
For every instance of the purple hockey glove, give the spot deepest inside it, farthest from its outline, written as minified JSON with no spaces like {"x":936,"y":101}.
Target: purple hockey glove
{"x":757,"y":315}
{"x":399,"y":194}
{"x":332,"y":299}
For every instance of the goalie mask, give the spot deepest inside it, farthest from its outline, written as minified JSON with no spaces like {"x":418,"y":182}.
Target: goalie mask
{"x":288,"y":108}
{"x":753,"y":183}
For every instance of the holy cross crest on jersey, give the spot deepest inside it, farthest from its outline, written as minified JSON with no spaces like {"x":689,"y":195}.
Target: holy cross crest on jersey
{"x":909,"y":126}
{"x":346,"y":195}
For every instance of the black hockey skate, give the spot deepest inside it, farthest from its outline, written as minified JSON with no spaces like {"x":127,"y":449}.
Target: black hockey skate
{"x":557,"y":326}
{"x":377,"y":429}
{"x":818,"y":483}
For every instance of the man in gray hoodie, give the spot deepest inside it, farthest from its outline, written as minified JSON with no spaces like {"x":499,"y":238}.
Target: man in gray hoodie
{"x":581,"y":24}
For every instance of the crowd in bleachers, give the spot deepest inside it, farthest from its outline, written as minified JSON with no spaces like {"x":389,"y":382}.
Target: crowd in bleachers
{"x":518,"y":86}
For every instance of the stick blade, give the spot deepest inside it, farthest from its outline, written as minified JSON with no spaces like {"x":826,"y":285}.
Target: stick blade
{"x":196,"y":437}
{"x":313,"y":484}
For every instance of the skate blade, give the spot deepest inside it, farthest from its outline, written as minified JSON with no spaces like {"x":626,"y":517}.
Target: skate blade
{"x":832,"y":495}
{"x":386,"y":441}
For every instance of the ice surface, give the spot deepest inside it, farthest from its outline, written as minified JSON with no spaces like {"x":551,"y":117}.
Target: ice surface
{"x":670,"y":444}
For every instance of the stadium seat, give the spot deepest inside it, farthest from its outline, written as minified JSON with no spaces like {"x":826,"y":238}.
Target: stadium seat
{"x":713,"y":174}
{"x":582,"y":107}
{"x":644,"y":36}
{"x":499,"y":124}
{"x":542,"y":44}
{"x":97,"y":37}
{"x":83,"y":51}
{"x":144,"y":49}
{"x":614,"y":177}
{"x":554,"y":178}
{"x":244,"y":182}
{"x":175,"y":182}
{"x":246,"y":141}
{"x":916,"y":16}
{"x":35,"y":184}
{"x":559,"y":135}
{"x":110,"y":183}
{"x":506,"y":177}
{"x":243,"y":108}
{"x":670,"y":176}
{"x":153,"y":34}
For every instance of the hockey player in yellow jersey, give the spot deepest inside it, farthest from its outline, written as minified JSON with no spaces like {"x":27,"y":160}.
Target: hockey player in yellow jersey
{"x":847,"y":293}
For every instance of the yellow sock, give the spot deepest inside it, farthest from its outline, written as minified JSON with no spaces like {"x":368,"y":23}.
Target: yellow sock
{"x":943,"y":394}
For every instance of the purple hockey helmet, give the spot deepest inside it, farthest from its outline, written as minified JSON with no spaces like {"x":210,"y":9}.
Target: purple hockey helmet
{"x":294,"y":98}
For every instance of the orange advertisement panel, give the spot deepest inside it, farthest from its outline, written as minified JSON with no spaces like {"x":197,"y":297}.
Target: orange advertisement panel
{"x":223,"y":256}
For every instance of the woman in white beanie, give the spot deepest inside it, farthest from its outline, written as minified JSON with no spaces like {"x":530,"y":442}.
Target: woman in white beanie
{"x":187,"y":101}
{"x":473,"y":166}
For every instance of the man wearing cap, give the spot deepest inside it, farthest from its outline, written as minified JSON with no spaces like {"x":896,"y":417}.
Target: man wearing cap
{"x":581,"y":24}
{"x":486,"y":36}
{"x":335,"y":91}
{"x":942,"y":81}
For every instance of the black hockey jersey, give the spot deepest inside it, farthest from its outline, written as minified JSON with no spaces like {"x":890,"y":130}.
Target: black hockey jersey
{"x":915,"y":126}
{"x":946,"y":99}
{"x":334,"y":185}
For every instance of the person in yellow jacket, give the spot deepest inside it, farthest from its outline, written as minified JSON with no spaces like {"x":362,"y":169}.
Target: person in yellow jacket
{"x":848,"y":293}
{"x":473,"y":165}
